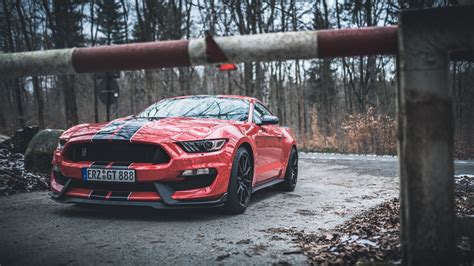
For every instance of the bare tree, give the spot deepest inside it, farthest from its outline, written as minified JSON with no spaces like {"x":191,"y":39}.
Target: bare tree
{"x":29,"y":42}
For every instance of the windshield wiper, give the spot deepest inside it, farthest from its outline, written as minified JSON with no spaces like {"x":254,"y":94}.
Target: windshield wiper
{"x":150,"y":117}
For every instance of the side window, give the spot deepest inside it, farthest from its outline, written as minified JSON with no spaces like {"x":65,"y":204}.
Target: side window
{"x":258,"y":112}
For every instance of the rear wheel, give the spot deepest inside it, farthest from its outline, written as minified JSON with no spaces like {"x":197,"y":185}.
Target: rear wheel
{"x":240,"y":183}
{"x":291,"y":175}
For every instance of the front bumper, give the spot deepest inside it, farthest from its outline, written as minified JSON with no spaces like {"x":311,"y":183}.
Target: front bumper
{"x":155,"y":183}
{"x":159,"y":197}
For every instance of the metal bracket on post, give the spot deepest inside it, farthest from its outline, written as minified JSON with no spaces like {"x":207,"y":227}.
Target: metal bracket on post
{"x":427,"y":41}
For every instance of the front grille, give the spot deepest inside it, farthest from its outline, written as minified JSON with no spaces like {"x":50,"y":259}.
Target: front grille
{"x":116,"y":152}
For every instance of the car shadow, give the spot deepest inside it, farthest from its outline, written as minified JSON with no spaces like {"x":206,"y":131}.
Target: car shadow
{"x":150,"y":214}
{"x":264,"y":195}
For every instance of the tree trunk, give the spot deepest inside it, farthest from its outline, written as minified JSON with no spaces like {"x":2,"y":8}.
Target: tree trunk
{"x":19,"y":103}
{"x":259,"y":82}
{"x":96,"y":100}
{"x":248,"y":77}
{"x":229,"y":83}
{"x":184,"y":81}
{"x":70,"y":105}
{"x":38,"y":94}
{"x":149,"y":86}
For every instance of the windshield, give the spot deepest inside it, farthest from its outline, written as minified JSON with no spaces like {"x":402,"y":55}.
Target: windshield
{"x":200,"y":107}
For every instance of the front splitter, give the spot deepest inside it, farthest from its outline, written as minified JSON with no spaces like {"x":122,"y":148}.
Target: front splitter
{"x":154,"y":204}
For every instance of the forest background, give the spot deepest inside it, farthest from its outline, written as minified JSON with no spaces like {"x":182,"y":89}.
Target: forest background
{"x":345,"y":105}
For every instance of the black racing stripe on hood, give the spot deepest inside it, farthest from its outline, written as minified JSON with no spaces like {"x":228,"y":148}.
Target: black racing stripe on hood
{"x":105,"y":133}
{"x":126,"y":132}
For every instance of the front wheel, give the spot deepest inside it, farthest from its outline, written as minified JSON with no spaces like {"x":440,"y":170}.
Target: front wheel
{"x":240,"y":183}
{"x":291,"y":175}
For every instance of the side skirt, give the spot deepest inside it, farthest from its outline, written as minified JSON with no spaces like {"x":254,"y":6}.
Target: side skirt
{"x":266,"y":184}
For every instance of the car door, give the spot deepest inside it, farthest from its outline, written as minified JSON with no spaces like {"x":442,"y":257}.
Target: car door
{"x":269,"y":148}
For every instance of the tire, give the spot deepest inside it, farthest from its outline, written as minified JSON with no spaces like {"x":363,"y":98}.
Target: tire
{"x":239,"y":190}
{"x":291,"y":174}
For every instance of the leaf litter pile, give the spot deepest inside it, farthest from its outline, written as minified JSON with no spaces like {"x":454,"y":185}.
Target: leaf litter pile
{"x":373,"y":236}
{"x":14,"y":178}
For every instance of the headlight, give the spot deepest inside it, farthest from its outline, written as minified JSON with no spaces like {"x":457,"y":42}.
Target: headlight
{"x":61,"y":143}
{"x":202,"y":145}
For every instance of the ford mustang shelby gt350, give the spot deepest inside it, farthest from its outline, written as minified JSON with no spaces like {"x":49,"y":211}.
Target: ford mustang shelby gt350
{"x":191,"y":151}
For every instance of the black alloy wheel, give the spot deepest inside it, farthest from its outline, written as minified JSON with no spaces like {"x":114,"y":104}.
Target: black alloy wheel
{"x":244,"y":180}
{"x":291,"y":174}
{"x":240,"y":182}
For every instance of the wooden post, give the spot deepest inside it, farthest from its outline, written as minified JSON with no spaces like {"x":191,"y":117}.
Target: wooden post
{"x":427,"y":39}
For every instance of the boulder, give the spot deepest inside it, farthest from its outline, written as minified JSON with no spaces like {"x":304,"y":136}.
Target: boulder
{"x":39,"y":154}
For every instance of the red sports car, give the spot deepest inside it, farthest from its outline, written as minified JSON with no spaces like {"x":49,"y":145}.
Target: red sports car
{"x":192,"y":151}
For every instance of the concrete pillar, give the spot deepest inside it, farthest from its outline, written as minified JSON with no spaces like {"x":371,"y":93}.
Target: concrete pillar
{"x":427,"y":39}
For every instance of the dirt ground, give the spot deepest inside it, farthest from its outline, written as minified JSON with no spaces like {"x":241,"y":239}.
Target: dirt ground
{"x":331,"y":190}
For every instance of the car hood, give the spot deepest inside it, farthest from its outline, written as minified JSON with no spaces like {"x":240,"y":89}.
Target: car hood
{"x":146,"y":130}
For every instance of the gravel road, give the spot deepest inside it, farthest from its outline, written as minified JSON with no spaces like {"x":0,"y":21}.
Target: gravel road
{"x":331,"y":189}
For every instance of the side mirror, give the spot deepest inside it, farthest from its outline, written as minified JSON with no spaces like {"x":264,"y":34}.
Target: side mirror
{"x":269,"y":120}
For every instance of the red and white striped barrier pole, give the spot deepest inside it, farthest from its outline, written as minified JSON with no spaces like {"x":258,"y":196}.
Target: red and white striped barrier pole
{"x":179,"y":53}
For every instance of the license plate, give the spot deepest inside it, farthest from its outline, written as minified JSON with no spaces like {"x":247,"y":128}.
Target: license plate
{"x":108,"y":175}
